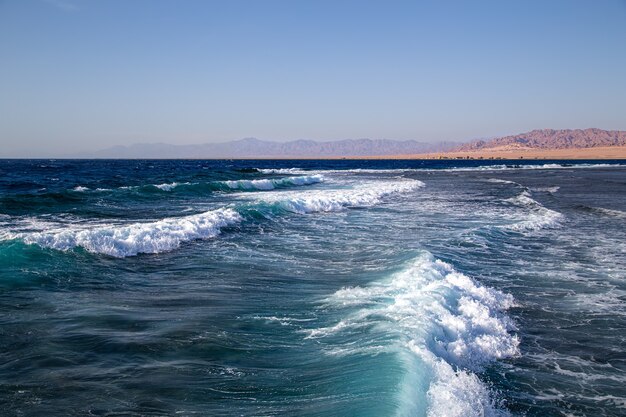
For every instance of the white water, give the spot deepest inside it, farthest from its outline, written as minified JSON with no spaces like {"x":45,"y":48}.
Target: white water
{"x":261,"y":184}
{"x":270,"y":184}
{"x":135,"y":238}
{"x":167,"y":234}
{"x":363,"y":195}
{"x":536,"y":216}
{"x":447,"y":328}
{"x":501,"y":167}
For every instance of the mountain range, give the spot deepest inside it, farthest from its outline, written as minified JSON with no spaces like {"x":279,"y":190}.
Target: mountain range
{"x":256,"y":148}
{"x":551,"y":139}
{"x":541,"y":139}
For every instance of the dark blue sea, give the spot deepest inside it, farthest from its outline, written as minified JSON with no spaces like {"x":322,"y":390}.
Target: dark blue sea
{"x":312,"y":288}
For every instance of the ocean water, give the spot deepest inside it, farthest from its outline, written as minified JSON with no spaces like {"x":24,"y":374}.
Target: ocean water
{"x":312,"y":288}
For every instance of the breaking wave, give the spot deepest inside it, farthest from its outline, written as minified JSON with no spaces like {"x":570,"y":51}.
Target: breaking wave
{"x":128,"y":240}
{"x":443,"y":325}
{"x":495,"y":167}
{"x":167,"y":234}
{"x":270,"y":184}
{"x":239,"y":185}
{"x":536,"y":216}
{"x":364,"y":195}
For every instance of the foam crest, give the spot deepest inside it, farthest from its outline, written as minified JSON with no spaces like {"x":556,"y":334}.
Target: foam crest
{"x":505,"y":167}
{"x":494,"y":167}
{"x":459,"y":393}
{"x":282,"y":170}
{"x":169,"y":186}
{"x":270,"y":184}
{"x":448,"y":324}
{"x":537,"y":216}
{"x":128,"y":240}
{"x":500,"y":181}
{"x":550,"y":190}
{"x":364,"y":195}
{"x":242,"y":185}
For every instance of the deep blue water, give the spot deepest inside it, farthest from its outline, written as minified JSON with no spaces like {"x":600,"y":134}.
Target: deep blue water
{"x":312,"y":288}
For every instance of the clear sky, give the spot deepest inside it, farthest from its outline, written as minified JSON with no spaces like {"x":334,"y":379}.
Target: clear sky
{"x":77,"y":75}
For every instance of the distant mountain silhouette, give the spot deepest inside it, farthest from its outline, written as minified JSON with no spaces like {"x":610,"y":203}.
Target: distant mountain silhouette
{"x":255,"y":148}
{"x":552,"y":139}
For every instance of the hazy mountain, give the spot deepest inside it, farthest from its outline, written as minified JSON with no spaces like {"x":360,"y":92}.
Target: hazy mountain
{"x":255,"y":148}
{"x":552,"y":139}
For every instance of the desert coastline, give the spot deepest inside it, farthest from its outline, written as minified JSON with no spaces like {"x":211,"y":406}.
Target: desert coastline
{"x":600,"y":152}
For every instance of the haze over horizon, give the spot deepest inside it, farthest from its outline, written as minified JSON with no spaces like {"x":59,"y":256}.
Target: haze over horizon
{"x":79,"y":76}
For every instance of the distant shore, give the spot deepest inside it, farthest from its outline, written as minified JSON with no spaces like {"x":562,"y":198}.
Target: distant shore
{"x":606,"y":152}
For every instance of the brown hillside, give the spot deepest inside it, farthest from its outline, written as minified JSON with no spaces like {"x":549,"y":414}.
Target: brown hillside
{"x":553,"y":139}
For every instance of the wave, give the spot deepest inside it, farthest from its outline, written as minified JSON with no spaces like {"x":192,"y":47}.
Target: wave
{"x":128,"y":240}
{"x":281,"y":170}
{"x":494,"y":167}
{"x":500,"y":181}
{"x":550,"y":190}
{"x":364,"y":195}
{"x":338,"y":171}
{"x":167,"y":234}
{"x":240,"y":185}
{"x":606,"y":212}
{"x":537,"y":216}
{"x":442,"y":324}
{"x":505,"y":167}
{"x":270,"y":184}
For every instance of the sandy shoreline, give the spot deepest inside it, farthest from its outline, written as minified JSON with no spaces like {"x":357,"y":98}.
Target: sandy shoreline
{"x":607,"y":152}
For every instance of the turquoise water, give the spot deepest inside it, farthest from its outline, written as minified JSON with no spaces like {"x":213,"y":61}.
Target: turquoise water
{"x":315,"y":288}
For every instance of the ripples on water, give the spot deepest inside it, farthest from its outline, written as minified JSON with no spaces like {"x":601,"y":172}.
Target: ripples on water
{"x":327,"y":288}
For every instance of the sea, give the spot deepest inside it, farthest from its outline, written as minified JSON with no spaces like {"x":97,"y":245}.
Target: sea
{"x":312,"y":288}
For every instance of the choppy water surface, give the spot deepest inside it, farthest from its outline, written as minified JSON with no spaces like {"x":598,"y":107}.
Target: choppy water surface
{"x":312,"y":288}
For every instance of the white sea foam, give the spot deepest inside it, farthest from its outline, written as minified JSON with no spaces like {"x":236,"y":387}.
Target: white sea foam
{"x":128,"y":240}
{"x":169,"y":186}
{"x":446,"y":327}
{"x":495,"y":167}
{"x":550,"y":190}
{"x":364,"y":195}
{"x":536,"y":216}
{"x":270,"y":184}
{"x":260,"y":184}
{"x":167,"y":234}
{"x":340,"y":171}
{"x":500,"y":181}
{"x":82,"y":189}
{"x":505,"y":167}
{"x":282,"y":171}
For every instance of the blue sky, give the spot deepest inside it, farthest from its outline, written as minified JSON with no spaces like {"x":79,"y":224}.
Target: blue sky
{"x":78,"y":75}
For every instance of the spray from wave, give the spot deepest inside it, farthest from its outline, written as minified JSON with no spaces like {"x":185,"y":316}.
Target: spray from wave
{"x":445,"y":328}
